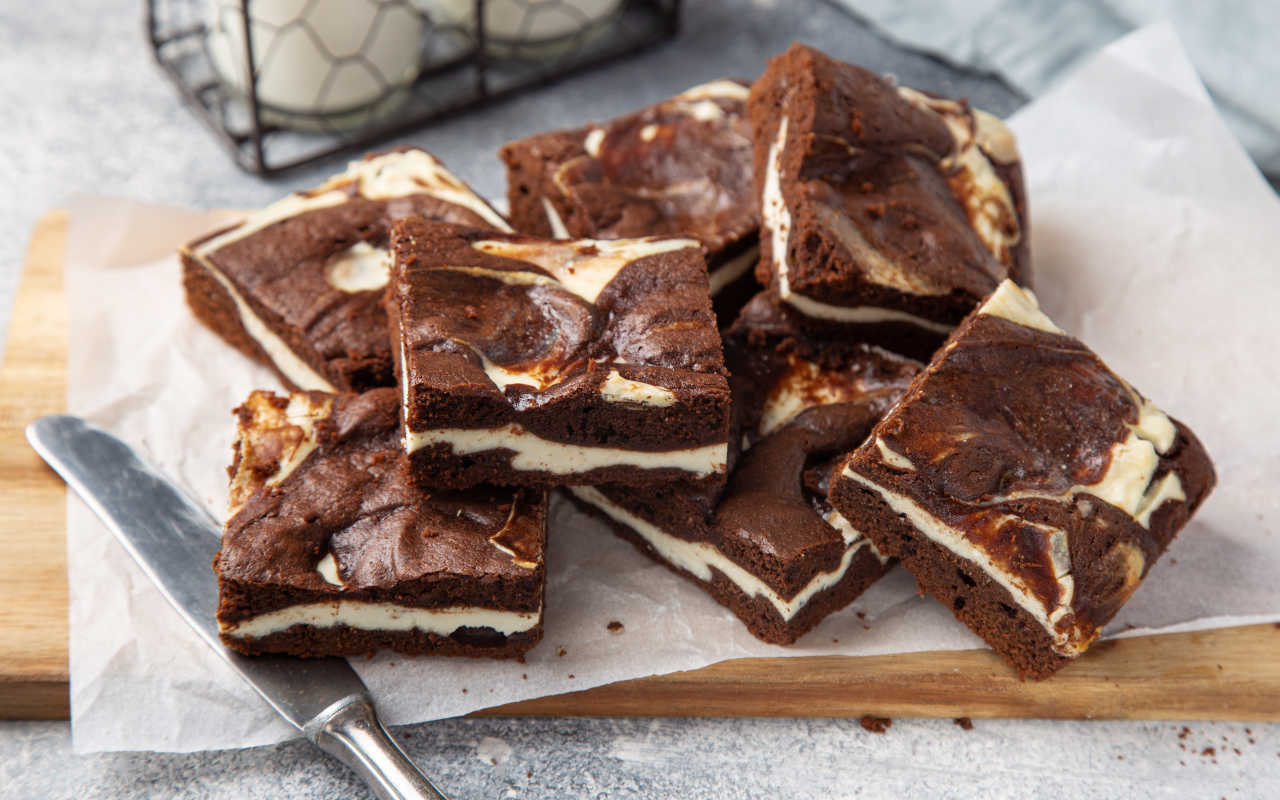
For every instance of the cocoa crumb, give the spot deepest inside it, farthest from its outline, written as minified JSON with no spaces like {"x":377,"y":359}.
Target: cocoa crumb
{"x":875,"y":724}
{"x":1119,"y":758}
{"x":404,"y":736}
{"x":860,"y":614}
{"x":1182,"y":734}
{"x":614,"y":627}
{"x":464,"y":691}
{"x":524,"y":676}
{"x":570,"y":676}
{"x":562,"y":652}
{"x":964,"y":723}
{"x":1208,"y":751}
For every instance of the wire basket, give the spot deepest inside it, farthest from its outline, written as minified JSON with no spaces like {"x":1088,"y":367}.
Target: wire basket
{"x":282,"y":83}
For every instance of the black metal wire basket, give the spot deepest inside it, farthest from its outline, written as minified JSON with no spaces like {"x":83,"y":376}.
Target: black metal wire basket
{"x":283,"y":83}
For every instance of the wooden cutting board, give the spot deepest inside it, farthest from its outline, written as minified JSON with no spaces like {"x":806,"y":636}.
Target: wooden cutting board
{"x":1232,"y":673}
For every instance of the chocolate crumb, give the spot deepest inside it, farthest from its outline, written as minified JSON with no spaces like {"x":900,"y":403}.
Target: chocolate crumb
{"x":614,"y":627}
{"x":570,"y":676}
{"x":464,"y":691}
{"x":524,"y":676}
{"x":1208,"y":751}
{"x":1182,"y":734}
{"x":562,"y":652}
{"x":529,"y":774}
{"x":1119,"y":758}
{"x":875,"y":724}
{"x":964,"y":723}
{"x":405,"y":736}
{"x":860,"y":615}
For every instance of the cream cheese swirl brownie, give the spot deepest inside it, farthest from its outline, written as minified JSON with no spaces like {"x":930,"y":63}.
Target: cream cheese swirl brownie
{"x":885,"y":210}
{"x":1024,"y":484}
{"x":552,"y":362}
{"x":773,"y":550}
{"x":298,"y":285}
{"x":332,"y":550}
{"x":681,"y":167}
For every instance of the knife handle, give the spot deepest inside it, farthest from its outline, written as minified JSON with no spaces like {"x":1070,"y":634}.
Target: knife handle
{"x":350,"y":731}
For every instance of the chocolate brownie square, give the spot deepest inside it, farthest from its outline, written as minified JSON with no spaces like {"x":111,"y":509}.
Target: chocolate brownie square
{"x":772,"y":549}
{"x":332,"y":550}
{"x":681,"y":167}
{"x":543,"y":362}
{"x":298,"y":285}
{"x":885,"y":210}
{"x":1024,"y":484}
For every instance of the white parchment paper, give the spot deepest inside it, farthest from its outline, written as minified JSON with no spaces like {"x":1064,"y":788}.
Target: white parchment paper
{"x":1155,"y":241}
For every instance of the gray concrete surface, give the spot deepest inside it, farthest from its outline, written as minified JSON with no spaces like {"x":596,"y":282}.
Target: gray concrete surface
{"x":87,"y":111}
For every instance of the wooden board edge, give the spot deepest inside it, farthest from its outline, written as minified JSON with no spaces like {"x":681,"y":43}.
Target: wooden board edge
{"x":33,"y":600}
{"x":1227,"y":673}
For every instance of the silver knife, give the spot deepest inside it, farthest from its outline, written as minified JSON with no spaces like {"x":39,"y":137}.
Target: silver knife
{"x":175,"y":540}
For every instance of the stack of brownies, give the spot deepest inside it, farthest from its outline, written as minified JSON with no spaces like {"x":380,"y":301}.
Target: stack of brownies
{"x":882,"y":387}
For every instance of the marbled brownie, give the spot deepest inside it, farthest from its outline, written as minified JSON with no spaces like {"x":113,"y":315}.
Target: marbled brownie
{"x":1024,"y":484}
{"x":298,"y":286}
{"x":886,"y":211}
{"x":772,"y":549}
{"x":543,"y":362}
{"x":331,"y":549}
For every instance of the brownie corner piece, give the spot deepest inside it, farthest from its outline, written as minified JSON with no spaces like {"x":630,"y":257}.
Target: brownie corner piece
{"x":884,"y":208}
{"x":1024,"y":484}
{"x":321,"y":499}
{"x":543,"y":362}
{"x":297,"y":286}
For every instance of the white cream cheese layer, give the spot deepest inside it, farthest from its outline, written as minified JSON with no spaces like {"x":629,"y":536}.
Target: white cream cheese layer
{"x":699,"y":558}
{"x":777,"y":219}
{"x":716,"y":90}
{"x":360,"y":268}
{"x":532,"y":453}
{"x":617,"y":389}
{"x":288,"y":362}
{"x":558,"y":230}
{"x":591,"y":143}
{"x":805,"y":385}
{"x":584,"y":266}
{"x":734,"y":268}
{"x":328,"y":569}
{"x":893,"y":458}
{"x":304,"y":414}
{"x":382,"y":617}
{"x":1019,"y":306}
{"x":386,"y":177}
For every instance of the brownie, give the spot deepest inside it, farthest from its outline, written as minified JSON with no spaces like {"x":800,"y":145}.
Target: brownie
{"x":772,"y":549}
{"x":887,"y":211}
{"x":543,"y":362}
{"x":1025,"y":485}
{"x":681,"y":167}
{"x":298,"y":285}
{"x":332,"y":550}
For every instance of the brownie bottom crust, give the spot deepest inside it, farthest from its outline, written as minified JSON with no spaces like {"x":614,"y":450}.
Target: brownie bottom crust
{"x":308,"y":641}
{"x":757,"y":612}
{"x":975,"y":599}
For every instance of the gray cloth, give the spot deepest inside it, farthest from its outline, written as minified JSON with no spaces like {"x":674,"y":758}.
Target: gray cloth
{"x":1031,"y":43}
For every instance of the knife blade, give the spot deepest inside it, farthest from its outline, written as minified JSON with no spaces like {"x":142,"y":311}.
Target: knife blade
{"x":174,"y":540}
